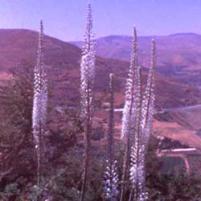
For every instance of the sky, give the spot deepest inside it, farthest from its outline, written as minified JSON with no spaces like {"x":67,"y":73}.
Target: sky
{"x":65,"y":19}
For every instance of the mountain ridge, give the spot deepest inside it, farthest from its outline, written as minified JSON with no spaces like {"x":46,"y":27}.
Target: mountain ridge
{"x":178,"y":55}
{"x":63,"y":61}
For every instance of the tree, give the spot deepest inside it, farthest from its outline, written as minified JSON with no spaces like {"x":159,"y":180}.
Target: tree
{"x":87,"y":85}
{"x":40,"y":99}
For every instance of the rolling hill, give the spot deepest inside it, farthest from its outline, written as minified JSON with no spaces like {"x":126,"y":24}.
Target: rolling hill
{"x":62,"y":59}
{"x":178,"y":55}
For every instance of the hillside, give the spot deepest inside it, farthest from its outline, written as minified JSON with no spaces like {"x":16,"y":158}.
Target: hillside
{"x":19,"y":47}
{"x":62,"y":59}
{"x":178,"y":55}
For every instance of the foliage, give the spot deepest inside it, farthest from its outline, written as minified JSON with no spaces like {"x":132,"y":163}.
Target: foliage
{"x":18,"y":159}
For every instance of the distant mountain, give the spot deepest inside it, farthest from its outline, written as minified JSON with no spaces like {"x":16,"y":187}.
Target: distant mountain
{"x":18,"y":45}
{"x":63,"y":60}
{"x":178,"y":54}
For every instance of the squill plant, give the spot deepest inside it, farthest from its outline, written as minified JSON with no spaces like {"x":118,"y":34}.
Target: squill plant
{"x":86,"y":90}
{"x":135,"y":147}
{"x":139,"y":148}
{"x":111,"y":180}
{"x":40,"y":99}
{"x":129,"y":113}
{"x":147,"y":121}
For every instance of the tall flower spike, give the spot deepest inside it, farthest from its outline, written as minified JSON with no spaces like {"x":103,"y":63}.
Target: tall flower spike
{"x":87,"y":71}
{"x":40,"y":99}
{"x":136,"y":143}
{"x":111,"y":181}
{"x":147,"y":121}
{"x":149,"y":96}
{"x":130,"y":110}
{"x":130,"y":87}
{"x":110,"y":175}
{"x":87,"y":64}
{"x":111,"y":120}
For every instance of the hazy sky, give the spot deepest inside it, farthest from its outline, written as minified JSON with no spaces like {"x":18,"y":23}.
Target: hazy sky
{"x":65,"y":19}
